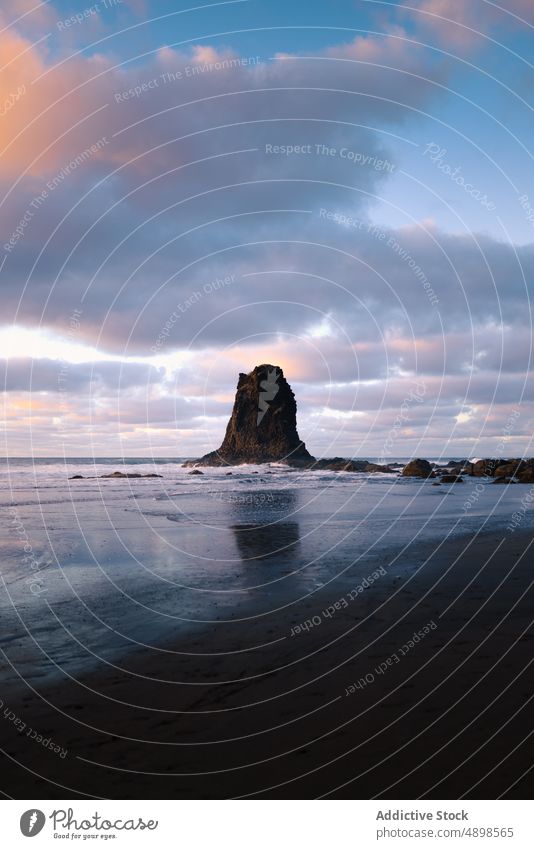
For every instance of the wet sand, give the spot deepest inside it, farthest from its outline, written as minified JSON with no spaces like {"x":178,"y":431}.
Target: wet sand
{"x":351,"y":706}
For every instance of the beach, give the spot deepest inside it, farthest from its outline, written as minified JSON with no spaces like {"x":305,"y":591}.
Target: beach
{"x":340,"y":636}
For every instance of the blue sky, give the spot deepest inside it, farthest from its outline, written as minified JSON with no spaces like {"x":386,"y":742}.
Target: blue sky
{"x":170,"y":217}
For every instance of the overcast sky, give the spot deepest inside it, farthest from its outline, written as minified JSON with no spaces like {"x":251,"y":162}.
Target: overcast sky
{"x":344,"y":189}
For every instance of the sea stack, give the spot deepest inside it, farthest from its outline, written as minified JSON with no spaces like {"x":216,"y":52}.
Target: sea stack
{"x":263,"y":424}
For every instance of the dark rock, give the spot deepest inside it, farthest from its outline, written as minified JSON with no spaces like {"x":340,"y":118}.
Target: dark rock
{"x":510,"y":469}
{"x":486,"y":468}
{"x":195,"y":472}
{"x":497,"y":468}
{"x":461,"y":469}
{"x":116,"y":476}
{"x":418,"y":469}
{"x":263,"y":424}
{"x":338,"y":464}
{"x":526,"y":476}
{"x":452,"y":479}
{"x":119,"y":475}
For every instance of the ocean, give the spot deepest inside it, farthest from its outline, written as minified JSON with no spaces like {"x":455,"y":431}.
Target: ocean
{"x":94,"y":568}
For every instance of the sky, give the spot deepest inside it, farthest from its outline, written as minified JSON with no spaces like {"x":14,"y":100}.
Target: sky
{"x":342,"y":189}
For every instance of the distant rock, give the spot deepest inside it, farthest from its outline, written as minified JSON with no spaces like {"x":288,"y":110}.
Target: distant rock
{"x":452,"y":479}
{"x":131,"y":475}
{"x":486,"y":468}
{"x":418,"y":469}
{"x":195,"y":472}
{"x":263,"y":424}
{"x":337,"y":464}
{"x":510,"y":469}
{"x":505,"y":470}
{"x":462,"y":469}
{"x":340,"y":464}
{"x":115,"y":476}
{"x":375,"y":467}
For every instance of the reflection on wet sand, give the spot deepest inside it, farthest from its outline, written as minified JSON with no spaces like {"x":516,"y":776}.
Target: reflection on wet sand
{"x":274,"y":501}
{"x":259,"y":542}
{"x":266,"y":532}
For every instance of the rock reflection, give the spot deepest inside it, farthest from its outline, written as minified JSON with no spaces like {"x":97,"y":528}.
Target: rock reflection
{"x":267,"y":541}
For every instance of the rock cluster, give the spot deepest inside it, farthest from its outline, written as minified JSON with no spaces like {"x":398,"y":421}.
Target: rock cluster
{"x":502,"y":471}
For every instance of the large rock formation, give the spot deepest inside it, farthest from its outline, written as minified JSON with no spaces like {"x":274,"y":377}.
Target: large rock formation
{"x":263,"y":429}
{"x":263,"y":424}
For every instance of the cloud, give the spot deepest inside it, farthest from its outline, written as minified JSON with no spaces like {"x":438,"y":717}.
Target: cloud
{"x":215,"y":208}
{"x":55,"y":376}
{"x":76,"y":100}
{"x":116,"y":177}
{"x":463,"y":25}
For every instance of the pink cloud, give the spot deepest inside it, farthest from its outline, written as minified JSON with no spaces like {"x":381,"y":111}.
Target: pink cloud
{"x":69,"y":104}
{"x":461,"y":24}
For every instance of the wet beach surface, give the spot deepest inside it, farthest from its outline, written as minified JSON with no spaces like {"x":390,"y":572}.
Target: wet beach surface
{"x":266,"y":635}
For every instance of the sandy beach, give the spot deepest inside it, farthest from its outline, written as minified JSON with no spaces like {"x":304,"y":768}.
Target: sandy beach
{"x":416,"y":682}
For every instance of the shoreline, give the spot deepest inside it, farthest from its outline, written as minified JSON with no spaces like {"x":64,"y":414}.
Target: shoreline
{"x":241,"y":709}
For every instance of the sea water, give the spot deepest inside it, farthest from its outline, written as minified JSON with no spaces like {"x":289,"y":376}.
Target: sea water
{"x":94,"y":568}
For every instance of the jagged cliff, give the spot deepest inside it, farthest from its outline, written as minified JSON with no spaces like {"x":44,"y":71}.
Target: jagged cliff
{"x":263,"y":424}
{"x":263,"y":428}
